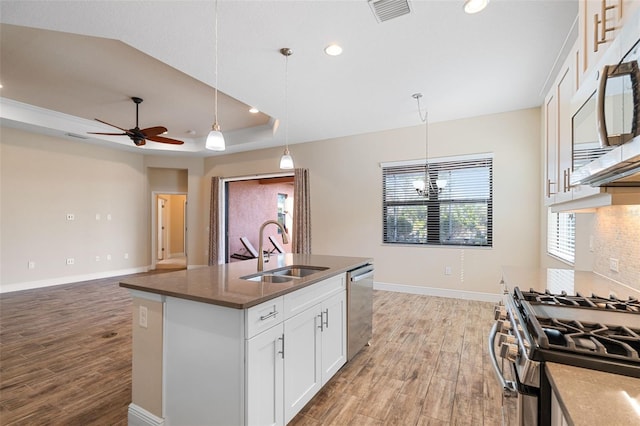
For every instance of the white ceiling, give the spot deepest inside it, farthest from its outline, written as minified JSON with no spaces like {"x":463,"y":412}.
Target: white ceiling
{"x":163,"y":51}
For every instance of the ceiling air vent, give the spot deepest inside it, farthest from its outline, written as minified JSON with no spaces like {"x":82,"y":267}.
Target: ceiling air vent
{"x":385,"y":10}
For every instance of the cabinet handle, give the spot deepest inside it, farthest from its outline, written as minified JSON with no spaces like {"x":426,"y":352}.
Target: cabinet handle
{"x":321,"y":326}
{"x":600,"y":20}
{"x":564,"y":181}
{"x":326,"y":312}
{"x":549,"y":183}
{"x":282,"y":351}
{"x":269,"y":315}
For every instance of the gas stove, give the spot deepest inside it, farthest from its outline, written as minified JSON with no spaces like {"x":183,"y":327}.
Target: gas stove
{"x":585,"y":331}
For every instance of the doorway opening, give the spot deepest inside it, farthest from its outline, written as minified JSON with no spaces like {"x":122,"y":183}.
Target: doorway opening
{"x":170,"y":231}
{"x":248,"y":203}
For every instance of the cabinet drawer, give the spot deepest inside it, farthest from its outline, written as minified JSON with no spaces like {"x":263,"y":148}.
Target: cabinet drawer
{"x":264,"y":316}
{"x":304,"y":298}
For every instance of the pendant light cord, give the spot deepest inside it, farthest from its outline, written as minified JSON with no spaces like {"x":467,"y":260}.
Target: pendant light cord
{"x":215,"y":102}
{"x":286,"y":101}
{"x":428,"y":185}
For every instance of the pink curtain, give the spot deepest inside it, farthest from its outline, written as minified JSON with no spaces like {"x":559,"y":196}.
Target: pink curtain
{"x":301,"y":240}
{"x":214,"y":220}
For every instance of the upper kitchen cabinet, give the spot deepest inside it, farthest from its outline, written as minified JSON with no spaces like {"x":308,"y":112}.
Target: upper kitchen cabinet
{"x":600,"y":22}
{"x":557,"y":132}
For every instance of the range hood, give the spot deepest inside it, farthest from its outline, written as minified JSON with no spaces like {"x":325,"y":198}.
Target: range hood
{"x":617,"y":168}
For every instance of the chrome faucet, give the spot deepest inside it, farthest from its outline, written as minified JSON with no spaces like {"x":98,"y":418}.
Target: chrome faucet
{"x":285,"y":240}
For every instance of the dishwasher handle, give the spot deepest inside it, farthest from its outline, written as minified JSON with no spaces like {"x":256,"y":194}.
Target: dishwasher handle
{"x":361,"y":274}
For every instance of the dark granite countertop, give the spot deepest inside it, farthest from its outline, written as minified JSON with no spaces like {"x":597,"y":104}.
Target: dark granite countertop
{"x":222,"y":285}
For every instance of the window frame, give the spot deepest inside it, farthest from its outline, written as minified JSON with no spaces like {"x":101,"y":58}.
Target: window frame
{"x":433,"y":218}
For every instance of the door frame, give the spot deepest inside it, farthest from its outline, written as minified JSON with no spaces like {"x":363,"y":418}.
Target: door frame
{"x":223,"y":210}
{"x":154,"y":223}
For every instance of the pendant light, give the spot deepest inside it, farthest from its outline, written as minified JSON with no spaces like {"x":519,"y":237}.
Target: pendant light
{"x":425,"y":188}
{"x":286,"y":161}
{"x":215,"y":139}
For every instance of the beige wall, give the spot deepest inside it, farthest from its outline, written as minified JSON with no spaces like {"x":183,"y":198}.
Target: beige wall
{"x":42,"y":179}
{"x":346,"y":199}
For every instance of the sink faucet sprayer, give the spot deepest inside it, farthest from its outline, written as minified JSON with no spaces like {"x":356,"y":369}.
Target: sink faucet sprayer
{"x":285,"y":239}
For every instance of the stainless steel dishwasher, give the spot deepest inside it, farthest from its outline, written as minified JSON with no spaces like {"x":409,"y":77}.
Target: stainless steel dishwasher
{"x":360,"y":308}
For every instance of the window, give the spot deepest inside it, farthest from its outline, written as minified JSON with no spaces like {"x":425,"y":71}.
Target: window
{"x":459,"y":215}
{"x":561,"y":235}
{"x":282,"y":212}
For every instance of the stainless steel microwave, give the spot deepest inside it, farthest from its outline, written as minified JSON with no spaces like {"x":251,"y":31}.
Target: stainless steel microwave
{"x":606,"y":129}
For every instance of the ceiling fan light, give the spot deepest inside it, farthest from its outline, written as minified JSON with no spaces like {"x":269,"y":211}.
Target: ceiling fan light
{"x":475,"y":6}
{"x":215,"y":139}
{"x":286,"y":161}
{"x":418,"y":185}
{"x":441,"y":183}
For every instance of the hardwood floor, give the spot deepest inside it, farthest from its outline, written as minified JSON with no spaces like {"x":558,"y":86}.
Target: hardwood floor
{"x":65,"y":358}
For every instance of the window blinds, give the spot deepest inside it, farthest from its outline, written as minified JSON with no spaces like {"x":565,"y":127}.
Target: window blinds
{"x":561,"y":235}
{"x":459,"y":214}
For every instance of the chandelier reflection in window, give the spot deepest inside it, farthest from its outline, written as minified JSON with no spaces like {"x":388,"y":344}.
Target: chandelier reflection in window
{"x":425,"y":187}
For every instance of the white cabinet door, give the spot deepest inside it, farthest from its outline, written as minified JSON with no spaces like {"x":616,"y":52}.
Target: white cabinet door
{"x":265,"y":377}
{"x":334,"y":335}
{"x":302,"y":368}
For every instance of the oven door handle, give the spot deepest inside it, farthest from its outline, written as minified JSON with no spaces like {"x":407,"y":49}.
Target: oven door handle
{"x":509,"y":388}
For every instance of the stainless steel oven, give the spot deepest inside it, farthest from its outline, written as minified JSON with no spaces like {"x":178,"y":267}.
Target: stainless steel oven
{"x":531,"y":328}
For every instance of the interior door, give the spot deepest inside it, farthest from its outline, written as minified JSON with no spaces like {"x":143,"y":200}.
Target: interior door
{"x":162,"y":229}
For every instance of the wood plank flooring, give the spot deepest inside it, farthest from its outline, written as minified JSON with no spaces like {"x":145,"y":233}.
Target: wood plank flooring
{"x":65,"y":358}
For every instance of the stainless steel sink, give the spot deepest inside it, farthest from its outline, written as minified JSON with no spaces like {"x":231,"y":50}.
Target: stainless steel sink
{"x":286,"y":274}
{"x":270,"y":278}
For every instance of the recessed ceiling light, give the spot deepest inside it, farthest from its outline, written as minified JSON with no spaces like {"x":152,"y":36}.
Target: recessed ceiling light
{"x":475,"y":6}
{"x":254,"y":110}
{"x":333,"y":50}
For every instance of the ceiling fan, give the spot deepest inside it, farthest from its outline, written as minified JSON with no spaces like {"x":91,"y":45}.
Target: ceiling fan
{"x":140,"y":136}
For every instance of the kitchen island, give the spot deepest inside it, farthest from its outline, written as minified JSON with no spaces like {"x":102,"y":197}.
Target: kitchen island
{"x":228,"y":345}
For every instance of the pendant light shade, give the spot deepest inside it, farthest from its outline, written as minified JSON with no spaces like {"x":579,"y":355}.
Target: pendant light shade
{"x":286,"y":161}
{"x":215,"y":139}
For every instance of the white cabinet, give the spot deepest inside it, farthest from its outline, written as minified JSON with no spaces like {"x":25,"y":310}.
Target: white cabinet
{"x":265,"y":377}
{"x":289,"y":362}
{"x":315,"y":349}
{"x":557,"y":132}
{"x":302,"y":369}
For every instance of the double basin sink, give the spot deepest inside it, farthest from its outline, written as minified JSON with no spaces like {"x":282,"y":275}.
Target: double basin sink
{"x":286,"y":274}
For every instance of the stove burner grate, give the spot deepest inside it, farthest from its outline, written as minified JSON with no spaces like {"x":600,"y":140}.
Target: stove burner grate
{"x":590,"y":338}
{"x":578,"y":300}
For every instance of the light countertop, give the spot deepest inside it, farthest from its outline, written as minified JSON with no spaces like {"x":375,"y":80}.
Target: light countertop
{"x":590,"y":397}
{"x":222,"y":284}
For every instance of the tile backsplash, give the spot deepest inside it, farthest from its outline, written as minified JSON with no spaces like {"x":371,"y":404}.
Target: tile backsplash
{"x":616,"y":235}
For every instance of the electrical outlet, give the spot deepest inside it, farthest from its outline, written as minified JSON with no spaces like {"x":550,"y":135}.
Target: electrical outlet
{"x":142,"y":317}
{"x":108,"y":257}
{"x":70,"y":261}
{"x":97,"y":216}
{"x":126,"y":255}
{"x":613,"y":264}
{"x":31,"y":264}
{"x":71,"y":216}
{"x":97,"y":258}
{"x":108,"y":216}
{"x":447,"y":270}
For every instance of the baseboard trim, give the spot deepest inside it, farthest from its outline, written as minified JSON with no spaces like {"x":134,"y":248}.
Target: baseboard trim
{"x":438,"y":292}
{"x":30,"y":285}
{"x":138,"y":416}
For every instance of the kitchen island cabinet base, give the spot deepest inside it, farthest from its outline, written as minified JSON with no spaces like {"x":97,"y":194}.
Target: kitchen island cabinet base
{"x":211,"y":356}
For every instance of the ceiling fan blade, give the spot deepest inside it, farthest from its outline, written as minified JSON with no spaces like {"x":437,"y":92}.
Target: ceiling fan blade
{"x":153,"y":131}
{"x":109,"y":134}
{"x":162,"y":139}
{"x":112,"y":125}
